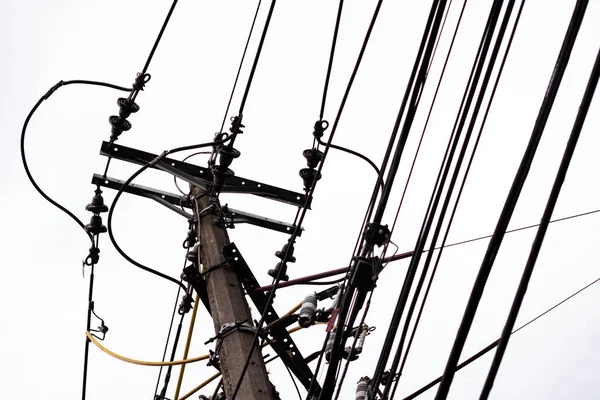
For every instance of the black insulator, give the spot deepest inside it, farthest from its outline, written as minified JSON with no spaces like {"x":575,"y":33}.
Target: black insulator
{"x":220,"y":175}
{"x":97,"y":205}
{"x":313,"y":157}
{"x":119,"y":126}
{"x":319,"y":128}
{"x":95,"y":226}
{"x":127,"y":107}
{"x":308,"y":176}
{"x":290,"y":250}
{"x":275,"y":271}
{"x":226,"y":155}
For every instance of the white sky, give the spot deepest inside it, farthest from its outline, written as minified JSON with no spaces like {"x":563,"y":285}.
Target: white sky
{"x":43,"y":295}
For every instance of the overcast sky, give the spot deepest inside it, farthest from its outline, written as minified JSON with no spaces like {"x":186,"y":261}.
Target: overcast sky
{"x":43,"y":296}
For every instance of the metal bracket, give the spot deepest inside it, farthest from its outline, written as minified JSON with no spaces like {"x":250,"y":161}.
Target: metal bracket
{"x":201,"y":176}
{"x":283,"y":343}
{"x":174,"y":202}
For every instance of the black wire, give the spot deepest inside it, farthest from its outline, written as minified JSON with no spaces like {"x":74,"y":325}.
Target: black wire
{"x":167,"y":341}
{"x":163,"y":392}
{"x":464,"y":179}
{"x":539,"y":237}
{"x":24,"y":130}
{"x":354,"y":153}
{"x":321,"y":282}
{"x":440,"y":223}
{"x":127,"y":183}
{"x":511,"y":199}
{"x":492,"y":345}
{"x":293,"y":380}
{"x":237,"y":76}
{"x":331,"y":55}
{"x":308,"y":196}
{"x":256,"y":57}
{"x":88,"y":326}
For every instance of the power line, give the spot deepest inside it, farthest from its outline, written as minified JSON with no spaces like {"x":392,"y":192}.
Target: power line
{"x":492,"y":345}
{"x":511,"y":199}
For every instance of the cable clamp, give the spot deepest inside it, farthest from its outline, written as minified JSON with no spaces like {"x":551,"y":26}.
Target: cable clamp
{"x":230,"y":327}
{"x":102,"y":328}
{"x":377,"y":234}
{"x":140,"y":81}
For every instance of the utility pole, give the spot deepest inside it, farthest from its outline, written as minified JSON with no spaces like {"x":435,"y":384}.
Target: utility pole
{"x":228,"y":307}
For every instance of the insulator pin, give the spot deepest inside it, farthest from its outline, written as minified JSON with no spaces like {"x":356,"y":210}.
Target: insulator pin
{"x":307,"y":313}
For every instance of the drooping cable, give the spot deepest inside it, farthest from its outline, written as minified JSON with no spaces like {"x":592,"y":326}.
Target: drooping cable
{"x":449,"y":193}
{"x":456,"y":202}
{"x":128,"y":182}
{"x":539,"y":237}
{"x":511,"y":200}
{"x":237,"y":75}
{"x":302,"y":214}
{"x":24,"y":130}
{"x":167,"y":340}
{"x":492,"y":345}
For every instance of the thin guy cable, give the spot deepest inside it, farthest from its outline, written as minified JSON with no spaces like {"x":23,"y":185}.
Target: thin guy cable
{"x":167,"y":341}
{"x":458,"y":197}
{"x":410,"y":172}
{"x":128,"y":182}
{"x":541,"y":233}
{"x":24,"y":130}
{"x":312,"y":189}
{"x":331,"y":55}
{"x":511,"y":199}
{"x":237,"y":76}
{"x":464,"y":179}
{"x":492,"y":345}
{"x":450,"y":190}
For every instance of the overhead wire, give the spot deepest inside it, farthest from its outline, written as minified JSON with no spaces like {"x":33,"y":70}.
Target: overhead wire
{"x":188,"y":343}
{"x":540,"y":235}
{"x":492,"y":345}
{"x":474,"y":116}
{"x":301,"y":214}
{"x":434,"y":201}
{"x":167,"y":341}
{"x":511,"y":199}
{"x":456,"y":202}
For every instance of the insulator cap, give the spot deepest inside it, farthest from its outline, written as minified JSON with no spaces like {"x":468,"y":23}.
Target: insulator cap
{"x":192,"y":255}
{"x":289,"y":249}
{"x":226,"y":155}
{"x":95,"y":226}
{"x":308,"y":177}
{"x":307,"y":313}
{"x":220,"y":175}
{"x":97,"y":205}
{"x":313,"y":157}
{"x":119,"y":125}
{"x":275,"y":271}
{"x":362,"y":388}
{"x":127,"y":107}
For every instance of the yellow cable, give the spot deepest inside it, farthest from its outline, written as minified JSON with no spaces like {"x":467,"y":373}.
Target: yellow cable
{"x":200,"y":386}
{"x":187,"y":347}
{"x":287,"y":314}
{"x":146,"y":363}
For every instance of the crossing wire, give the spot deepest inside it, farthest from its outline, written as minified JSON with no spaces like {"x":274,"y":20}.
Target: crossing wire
{"x":511,"y":199}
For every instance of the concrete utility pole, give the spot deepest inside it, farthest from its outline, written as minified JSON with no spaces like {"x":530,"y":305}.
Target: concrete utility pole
{"x":228,"y":306}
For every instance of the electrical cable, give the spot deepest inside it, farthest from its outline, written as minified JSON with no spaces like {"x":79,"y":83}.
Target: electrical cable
{"x":167,"y":341}
{"x":128,"y":182}
{"x":256,"y":57}
{"x":457,"y":200}
{"x":539,"y":237}
{"x":144,"y":363}
{"x":293,"y":380}
{"x":163,"y":392}
{"x":302,"y":214}
{"x":492,"y":345}
{"x":89,"y":322}
{"x":184,"y":160}
{"x":511,"y":199}
{"x":24,"y":130}
{"x":440,"y":223}
{"x":237,"y":76}
{"x":331,"y":55}
{"x":188,"y":343}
